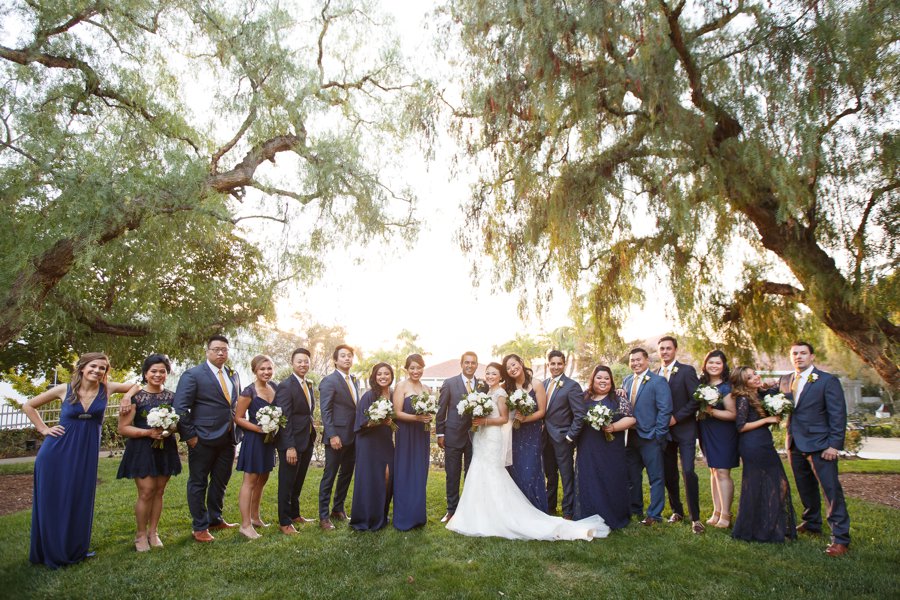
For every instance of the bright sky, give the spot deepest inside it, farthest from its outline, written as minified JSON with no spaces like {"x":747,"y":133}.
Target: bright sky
{"x":428,"y":289}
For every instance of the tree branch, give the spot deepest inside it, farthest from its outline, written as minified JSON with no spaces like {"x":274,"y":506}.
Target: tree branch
{"x":242,"y":174}
{"x":859,"y":238}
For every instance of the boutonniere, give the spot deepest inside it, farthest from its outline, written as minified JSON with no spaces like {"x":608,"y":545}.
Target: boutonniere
{"x":674,"y":369}
{"x":646,"y":378}
{"x":813,"y":377}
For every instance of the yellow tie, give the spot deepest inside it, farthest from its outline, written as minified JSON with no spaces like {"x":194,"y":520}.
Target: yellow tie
{"x":553,"y":383}
{"x":666,"y":373}
{"x":634,"y":389}
{"x":794,"y":381}
{"x":468,"y":387}
{"x":350,"y":387}
{"x":224,"y":386}
{"x":306,"y":393}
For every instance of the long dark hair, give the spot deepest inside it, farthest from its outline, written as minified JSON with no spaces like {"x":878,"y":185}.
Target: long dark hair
{"x":589,"y":392}
{"x":83,"y":361}
{"x":726,"y":372}
{"x":739,"y":388}
{"x":373,"y":385}
{"x":509,"y":384}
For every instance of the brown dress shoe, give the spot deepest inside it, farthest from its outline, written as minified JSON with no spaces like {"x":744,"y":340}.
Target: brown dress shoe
{"x":203,"y":536}
{"x":302,"y":520}
{"x":288,"y":530}
{"x":837,"y":549}
{"x":222,"y":525}
{"x":326,"y":524}
{"x":648,"y":522}
{"x":567,"y":517}
{"x":339,"y":516}
{"x":697,"y":527}
{"x":447,"y":517}
{"x":676,"y":518}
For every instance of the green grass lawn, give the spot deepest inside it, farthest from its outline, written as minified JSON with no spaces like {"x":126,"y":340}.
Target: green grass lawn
{"x":662,"y":562}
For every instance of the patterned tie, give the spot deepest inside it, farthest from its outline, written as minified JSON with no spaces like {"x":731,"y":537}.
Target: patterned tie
{"x":468,"y":386}
{"x":666,"y":373}
{"x":794,"y":381}
{"x":350,"y":387}
{"x":635,"y":385}
{"x":224,"y":386}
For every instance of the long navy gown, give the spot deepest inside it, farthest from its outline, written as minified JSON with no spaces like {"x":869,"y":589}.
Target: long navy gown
{"x":141,"y":459}
{"x":256,"y":456}
{"x":719,"y":439}
{"x":527,"y":469}
{"x":411,"y":461}
{"x":65,"y":483}
{"x":765,"y":512}
{"x":601,"y":475}
{"x":374,"y":457}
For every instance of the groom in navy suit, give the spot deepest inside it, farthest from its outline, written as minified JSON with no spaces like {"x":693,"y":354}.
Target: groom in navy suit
{"x":338,"y":395}
{"x":453,"y":429}
{"x":205,"y":399}
{"x":683,"y":382}
{"x":815,"y":434}
{"x":651,"y":402}
{"x":562,"y":425}
{"x":297,"y":402}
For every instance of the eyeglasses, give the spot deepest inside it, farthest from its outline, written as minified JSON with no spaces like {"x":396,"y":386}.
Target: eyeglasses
{"x":218,"y":350}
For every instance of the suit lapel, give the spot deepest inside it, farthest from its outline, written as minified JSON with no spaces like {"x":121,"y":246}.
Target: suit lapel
{"x":218,"y":386}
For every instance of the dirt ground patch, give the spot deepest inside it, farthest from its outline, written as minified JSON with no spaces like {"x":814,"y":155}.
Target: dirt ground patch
{"x":15,"y":493}
{"x":883,"y":488}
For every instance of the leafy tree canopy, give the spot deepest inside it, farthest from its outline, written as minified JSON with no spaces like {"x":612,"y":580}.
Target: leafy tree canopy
{"x":742,"y":155}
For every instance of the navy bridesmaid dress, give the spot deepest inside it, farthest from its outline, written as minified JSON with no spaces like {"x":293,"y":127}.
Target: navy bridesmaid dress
{"x":411,"y":461}
{"x":374,"y":457}
{"x":256,"y":456}
{"x":141,"y":459}
{"x":65,"y":483}
{"x":527,"y":469}
{"x":765,"y":512}
{"x":719,"y":439}
{"x":601,"y":475}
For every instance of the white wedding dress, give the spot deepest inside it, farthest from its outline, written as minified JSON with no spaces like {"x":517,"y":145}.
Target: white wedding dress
{"x":492,"y":504}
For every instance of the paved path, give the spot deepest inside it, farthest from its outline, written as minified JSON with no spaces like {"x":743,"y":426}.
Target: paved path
{"x":874,"y":447}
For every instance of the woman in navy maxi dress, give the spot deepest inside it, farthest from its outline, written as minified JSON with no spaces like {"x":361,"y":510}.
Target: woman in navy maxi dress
{"x":412,"y":455}
{"x":65,"y":470}
{"x":601,"y":476}
{"x":527,"y":468}
{"x":373,"y":480}
{"x":765,"y":512}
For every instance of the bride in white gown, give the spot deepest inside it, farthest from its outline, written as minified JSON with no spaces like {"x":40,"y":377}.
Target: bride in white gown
{"x":491,"y":502}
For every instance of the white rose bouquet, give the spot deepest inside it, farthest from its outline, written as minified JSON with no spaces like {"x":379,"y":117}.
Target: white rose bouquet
{"x":425,"y":404}
{"x":706,"y":395}
{"x":270,"y":420}
{"x":598,"y":417}
{"x":162,"y":417}
{"x":521,"y":402}
{"x":475,"y":404}
{"x":777,"y":405}
{"x":380,"y":411}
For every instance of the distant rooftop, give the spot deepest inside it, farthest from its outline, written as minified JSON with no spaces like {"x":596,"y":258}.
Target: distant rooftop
{"x":447,"y":369}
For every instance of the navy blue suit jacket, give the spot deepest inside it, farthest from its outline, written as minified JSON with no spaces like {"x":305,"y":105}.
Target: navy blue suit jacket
{"x":565,"y":411}
{"x":298,"y":433}
{"x":653,"y":406}
{"x":819,"y":419}
{"x":683,"y":382}
{"x":204,"y":411}
{"x":448,"y":422}
{"x":338,"y":407}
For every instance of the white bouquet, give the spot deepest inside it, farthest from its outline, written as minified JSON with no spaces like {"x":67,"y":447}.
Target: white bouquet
{"x":270,"y":421}
{"x":162,"y":417}
{"x":777,"y":405}
{"x":475,"y":404}
{"x":598,"y":417}
{"x":425,"y":404}
{"x":521,"y":402}
{"x":706,"y":395}
{"x":380,"y":411}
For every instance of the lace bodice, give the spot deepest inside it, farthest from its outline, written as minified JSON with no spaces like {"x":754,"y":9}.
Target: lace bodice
{"x":493,"y":443}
